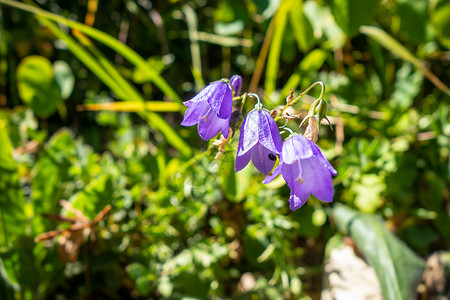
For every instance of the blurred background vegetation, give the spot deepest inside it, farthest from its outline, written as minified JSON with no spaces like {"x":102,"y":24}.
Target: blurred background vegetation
{"x":103,"y":195}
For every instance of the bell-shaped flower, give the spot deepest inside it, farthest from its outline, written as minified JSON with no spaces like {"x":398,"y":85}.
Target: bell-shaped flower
{"x":211,"y":110}
{"x":305,"y":170}
{"x":259,"y":141}
{"x":236,"y":84}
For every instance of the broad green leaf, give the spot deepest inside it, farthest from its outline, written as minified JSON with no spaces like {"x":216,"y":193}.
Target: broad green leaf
{"x":37,"y":85}
{"x":351,"y":14}
{"x":64,"y":77}
{"x":398,"y":269}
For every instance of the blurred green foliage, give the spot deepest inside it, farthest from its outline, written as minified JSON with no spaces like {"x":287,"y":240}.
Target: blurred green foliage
{"x":184,"y":225}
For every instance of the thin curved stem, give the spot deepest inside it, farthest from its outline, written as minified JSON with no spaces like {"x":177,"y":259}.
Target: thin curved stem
{"x":300,"y":96}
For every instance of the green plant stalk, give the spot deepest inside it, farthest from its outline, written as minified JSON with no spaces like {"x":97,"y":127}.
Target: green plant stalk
{"x":300,"y":96}
{"x":388,"y":42}
{"x":191,"y":20}
{"x":105,"y":39}
{"x":275,"y":47}
{"x":259,"y":66}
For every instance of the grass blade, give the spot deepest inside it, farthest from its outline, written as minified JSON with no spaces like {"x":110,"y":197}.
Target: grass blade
{"x":388,"y":42}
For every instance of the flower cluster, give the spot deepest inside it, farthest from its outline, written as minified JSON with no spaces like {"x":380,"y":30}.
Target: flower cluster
{"x":298,"y":159}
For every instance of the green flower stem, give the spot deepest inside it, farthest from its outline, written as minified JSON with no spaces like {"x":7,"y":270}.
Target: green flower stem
{"x":300,"y":96}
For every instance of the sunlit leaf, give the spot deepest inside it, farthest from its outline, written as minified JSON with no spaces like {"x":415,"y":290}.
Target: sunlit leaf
{"x":440,"y":18}
{"x":37,"y":85}
{"x":351,"y":14}
{"x":64,"y":77}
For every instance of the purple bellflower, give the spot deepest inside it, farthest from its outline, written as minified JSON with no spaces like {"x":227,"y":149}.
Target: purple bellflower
{"x":305,"y":170}
{"x":259,"y":141}
{"x":236,"y":84}
{"x":211,"y":110}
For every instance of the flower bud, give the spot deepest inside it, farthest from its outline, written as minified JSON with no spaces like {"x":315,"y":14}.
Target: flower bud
{"x":236,"y":84}
{"x":317,"y":110}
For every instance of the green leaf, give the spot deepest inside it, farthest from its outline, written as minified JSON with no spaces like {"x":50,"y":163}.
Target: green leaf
{"x":64,"y":77}
{"x":398,"y":269}
{"x":273,"y":59}
{"x":309,"y":64}
{"x":388,"y":42}
{"x":12,"y":202}
{"x":302,"y":28}
{"x":413,"y":19}
{"x":102,"y":37}
{"x":7,"y":161}
{"x":37,"y":85}
{"x":51,"y":169}
{"x":136,"y":270}
{"x":144,"y":286}
{"x":368,"y":192}
{"x":351,"y":14}
{"x":323,"y":22}
{"x":96,"y":195}
{"x":440,"y":19}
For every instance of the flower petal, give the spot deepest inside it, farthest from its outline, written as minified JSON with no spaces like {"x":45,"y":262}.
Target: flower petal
{"x":249,"y":133}
{"x":275,"y":173}
{"x":242,"y":160}
{"x":318,"y":153}
{"x":195,"y":111}
{"x":268,"y":133}
{"x":291,"y":173}
{"x":317,"y":179}
{"x":295,"y":202}
{"x":236,"y":84}
{"x":261,"y":160}
{"x":220,"y":99}
{"x":210,"y":126}
{"x":288,"y":153}
{"x":202,"y":96}
{"x":296,"y":147}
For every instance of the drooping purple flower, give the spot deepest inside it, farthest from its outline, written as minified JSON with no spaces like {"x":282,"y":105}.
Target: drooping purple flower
{"x":305,"y":170}
{"x":211,"y":110}
{"x":236,"y":84}
{"x":259,"y":141}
